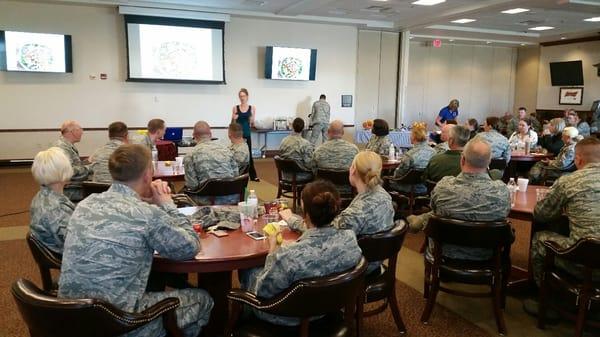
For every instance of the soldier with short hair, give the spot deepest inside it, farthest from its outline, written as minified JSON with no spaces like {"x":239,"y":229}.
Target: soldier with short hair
{"x":117,"y":135}
{"x":298,"y":149}
{"x":112,"y":238}
{"x":71,"y":133}
{"x":448,"y":163}
{"x":443,"y":146}
{"x":336,"y":153}
{"x":380,"y":140}
{"x":319,"y":120}
{"x":499,"y":143}
{"x":156,"y":130}
{"x":238,"y":146}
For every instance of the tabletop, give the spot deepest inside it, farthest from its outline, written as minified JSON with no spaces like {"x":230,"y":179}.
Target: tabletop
{"x":525,"y":203}
{"x":389,"y":164}
{"x":521,"y":156}
{"x":169,"y":171}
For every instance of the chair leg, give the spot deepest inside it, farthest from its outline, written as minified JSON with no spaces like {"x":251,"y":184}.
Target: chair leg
{"x":304,"y":323}
{"x":427,"y":280}
{"x":496,"y":302}
{"x":360,"y":303}
{"x":393,"y":301}
{"x":431,"y":297}
{"x":541,"y":323}
{"x":581,"y":313}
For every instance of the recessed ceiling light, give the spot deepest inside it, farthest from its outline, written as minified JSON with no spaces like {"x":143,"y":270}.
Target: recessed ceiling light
{"x":410,"y":37}
{"x":464,"y":20}
{"x":594,"y":19}
{"x":562,"y":38}
{"x":515,"y":11}
{"x":488,"y":42}
{"x":522,"y":44}
{"x":428,"y":2}
{"x":539,"y":28}
{"x":451,"y":40}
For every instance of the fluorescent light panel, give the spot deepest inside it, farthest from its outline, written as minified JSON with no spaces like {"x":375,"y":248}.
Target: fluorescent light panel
{"x":595,"y":19}
{"x":540,"y":28}
{"x":464,"y":21}
{"x":428,"y":2}
{"x":515,"y":11}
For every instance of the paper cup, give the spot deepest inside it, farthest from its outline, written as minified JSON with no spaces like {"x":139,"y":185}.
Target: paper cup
{"x":522,"y":183}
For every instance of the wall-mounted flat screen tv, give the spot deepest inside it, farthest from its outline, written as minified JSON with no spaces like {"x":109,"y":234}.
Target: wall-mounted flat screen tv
{"x":175,"y":50}
{"x":296,"y":64}
{"x":35,"y":52}
{"x":566,"y":73}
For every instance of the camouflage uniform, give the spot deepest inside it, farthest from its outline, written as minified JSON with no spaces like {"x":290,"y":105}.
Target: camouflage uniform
{"x":334,"y":154}
{"x":379,"y":144}
{"x":241,"y":154}
{"x":147,"y":142}
{"x":513,"y":124}
{"x":498,"y":143}
{"x":50,"y":213}
{"x":442,"y":165}
{"x":416,"y":158}
{"x":319,"y":121}
{"x":576,"y":195}
{"x":441,"y":147}
{"x":469,"y":196}
{"x":109,"y":250}
{"x":584,"y":129}
{"x":318,"y":252}
{"x":209,"y":160}
{"x":73,"y":190}
{"x":555,"y":167}
{"x":100,"y":161}
{"x":300,"y":150}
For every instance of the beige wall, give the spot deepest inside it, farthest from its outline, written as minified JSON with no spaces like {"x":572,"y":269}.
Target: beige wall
{"x":589,"y":53}
{"x":526,"y":84}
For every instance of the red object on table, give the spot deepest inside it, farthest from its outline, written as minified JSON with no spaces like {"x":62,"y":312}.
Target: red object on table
{"x":167,"y":150}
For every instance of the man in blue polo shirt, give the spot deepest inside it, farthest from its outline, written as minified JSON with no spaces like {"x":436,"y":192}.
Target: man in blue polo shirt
{"x":447,"y":113}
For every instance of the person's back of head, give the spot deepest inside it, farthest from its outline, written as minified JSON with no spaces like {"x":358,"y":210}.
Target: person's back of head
{"x":419,"y":132}
{"x":367,"y":165}
{"x":459,"y":137}
{"x":51,"y":166}
{"x":155,"y":125}
{"x":201,"y":130}
{"x":235,"y":131}
{"x":117,"y":130}
{"x":493,"y":123}
{"x":336,"y":129}
{"x":571,"y":133}
{"x":320,"y":202}
{"x":129,"y":163}
{"x":587,"y":151}
{"x":476,"y":156}
{"x":298,"y":125}
{"x":323,"y":97}
{"x":558,"y":124}
{"x":472,"y":122}
{"x":380,"y":127}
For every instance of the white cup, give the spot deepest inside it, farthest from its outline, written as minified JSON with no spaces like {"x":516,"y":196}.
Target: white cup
{"x":179,"y":162}
{"x":522,"y":183}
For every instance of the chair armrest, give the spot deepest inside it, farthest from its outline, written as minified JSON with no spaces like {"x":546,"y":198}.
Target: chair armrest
{"x":161,"y":307}
{"x":245,"y":297}
{"x":554,"y":248}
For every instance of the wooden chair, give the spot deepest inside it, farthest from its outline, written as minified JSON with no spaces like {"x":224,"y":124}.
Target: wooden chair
{"x":549,"y":179}
{"x":584,"y":292}
{"x":412,"y":178}
{"x":287,"y":186}
{"x":56,"y":317}
{"x":382,"y":287}
{"x":341,"y":179}
{"x":304,"y":299}
{"x":220,"y":187}
{"x":46,"y":261}
{"x":499,"y":164}
{"x":91,"y":187}
{"x":497,"y":236}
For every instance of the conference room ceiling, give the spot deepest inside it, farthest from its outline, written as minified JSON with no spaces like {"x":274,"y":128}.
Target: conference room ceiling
{"x":424,"y":22}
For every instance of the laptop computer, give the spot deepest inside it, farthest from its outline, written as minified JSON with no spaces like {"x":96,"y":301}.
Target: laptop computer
{"x":173,"y":134}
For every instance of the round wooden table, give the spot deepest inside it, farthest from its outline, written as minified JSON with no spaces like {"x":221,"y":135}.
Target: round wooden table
{"x":218,"y":258}
{"x":168,"y":173}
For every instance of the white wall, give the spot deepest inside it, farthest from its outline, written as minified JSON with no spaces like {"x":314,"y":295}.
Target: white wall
{"x":31,"y":101}
{"x":526,"y":84}
{"x":482,"y":78}
{"x":589,"y":53}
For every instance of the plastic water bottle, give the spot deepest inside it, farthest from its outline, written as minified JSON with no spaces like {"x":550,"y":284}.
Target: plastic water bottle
{"x":392,"y":152}
{"x":253,"y":200}
{"x":512,"y":190}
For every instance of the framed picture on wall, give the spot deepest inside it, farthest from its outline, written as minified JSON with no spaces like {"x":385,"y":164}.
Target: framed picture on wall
{"x":346,"y":101}
{"x":570,"y":96}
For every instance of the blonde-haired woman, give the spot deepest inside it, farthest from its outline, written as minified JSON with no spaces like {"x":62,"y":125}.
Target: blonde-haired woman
{"x":50,"y":209}
{"x":416,"y":158}
{"x":564,"y":161}
{"x":552,"y":137}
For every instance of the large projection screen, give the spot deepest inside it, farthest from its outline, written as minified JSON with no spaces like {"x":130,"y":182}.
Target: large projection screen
{"x":174,"y":50}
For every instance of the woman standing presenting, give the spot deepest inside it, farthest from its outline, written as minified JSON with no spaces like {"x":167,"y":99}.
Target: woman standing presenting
{"x":244,"y":114}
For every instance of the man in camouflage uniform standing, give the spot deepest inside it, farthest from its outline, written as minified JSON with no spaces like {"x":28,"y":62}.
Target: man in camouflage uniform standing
{"x":319,"y":120}
{"x":336,"y":153}
{"x":112,"y":238}
{"x":117,"y":135}
{"x":208,"y":160}
{"x":71,"y":133}
{"x":298,"y":149}
{"x":238,"y":146}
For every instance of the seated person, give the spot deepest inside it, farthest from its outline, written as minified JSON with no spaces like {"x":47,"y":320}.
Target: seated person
{"x":582,"y":126}
{"x":564,"y":162}
{"x":208,"y":160}
{"x":50,"y":210}
{"x":524,"y":134}
{"x":472,"y":195}
{"x":117,"y":135}
{"x":513,"y":124}
{"x":71,"y":133}
{"x":552,"y":137}
{"x":298,"y":149}
{"x":156,"y":130}
{"x":380,"y":139}
{"x":336,"y":153}
{"x":443,"y":146}
{"x":321,"y":250}
{"x":577,"y":196}
{"x":238,"y":146}
{"x":112,"y":238}
{"x":448,"y":163}
{"x":491,"y":134}
{"x":473,"y":127}
{"x":416,"y":158}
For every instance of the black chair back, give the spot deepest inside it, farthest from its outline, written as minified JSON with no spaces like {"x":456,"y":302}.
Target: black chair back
{"x":46,"y":260}
{"x":221,"y":187}
{"x":475,"y":234}
{"x":384,"y":245}
{"x":498,"y":164}
{"x":91,"y":187}
{"x":288,"y":166}
{"x":584,"y":252}
{"x":337,"y":177}
{"x":412,"y":177}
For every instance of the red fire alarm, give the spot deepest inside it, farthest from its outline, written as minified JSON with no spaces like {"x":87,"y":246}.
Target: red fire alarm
{"x":437,"y":43}
{"x":103,"y":76}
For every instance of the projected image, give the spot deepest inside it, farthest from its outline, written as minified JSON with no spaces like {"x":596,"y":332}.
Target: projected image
{"x":291,"y":64}
{"x":35,"y":52}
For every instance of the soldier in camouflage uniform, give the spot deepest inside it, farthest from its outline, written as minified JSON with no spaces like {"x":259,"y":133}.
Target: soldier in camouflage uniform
{"x":208,"y":160}
{"x":576,"y":195}
{"x":562,"y":163}
{"x":582,"y":126}
{"x":71,"y":133}
{"x":156,"y":130}
{"x":319,"y":120}
{"x":472,"y":195}
{"x":238,"y":146}
{"x":306,"y":258}
{"x":50,"y":210}
{"x":380,"y":139}
{"x":499,"y":143}
{"x":298,"y":149}
{"x":118,"y":135}
{"x":443,"y":146}
{"x":448,"y":163}
{"x":111,"y":242}
{"x":416,"y":158}
{"x":513,"y":124}
{"x":336,"y":153}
